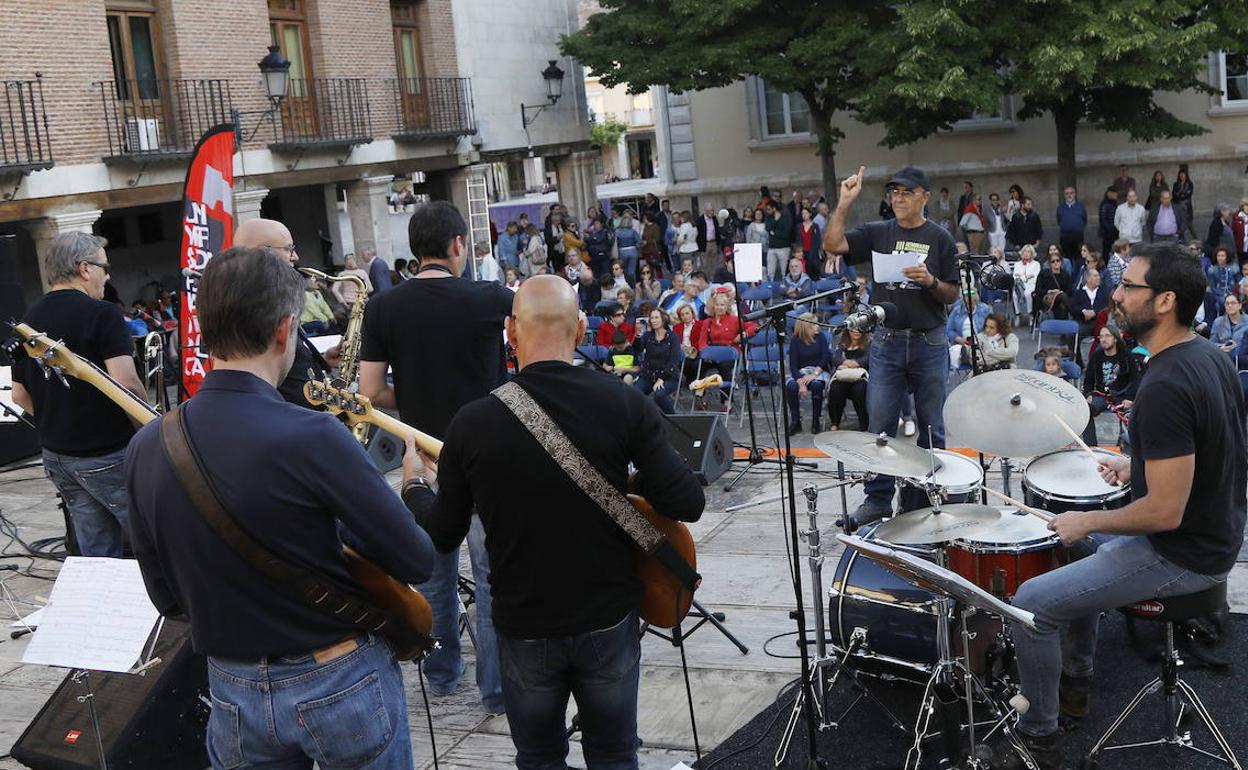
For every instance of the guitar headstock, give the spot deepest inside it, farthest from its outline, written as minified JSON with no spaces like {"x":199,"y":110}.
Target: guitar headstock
{"x":51,"y":355}
{"x":338,"y":400}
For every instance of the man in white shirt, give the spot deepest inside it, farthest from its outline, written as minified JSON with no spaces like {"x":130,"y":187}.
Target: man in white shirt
{"x":996,"y":222}
{"x":1130,"y":218}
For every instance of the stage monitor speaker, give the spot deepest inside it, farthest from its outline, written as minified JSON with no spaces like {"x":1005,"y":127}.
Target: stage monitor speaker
{"x":704,"y":442}
{"x":157,"y":720}
{"x":384,"y":449}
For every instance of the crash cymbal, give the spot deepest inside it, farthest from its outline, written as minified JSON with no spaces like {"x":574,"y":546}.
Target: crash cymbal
{"x":929,"y":526}
{"x":1009,"y":413}
{"x":876,"y":453}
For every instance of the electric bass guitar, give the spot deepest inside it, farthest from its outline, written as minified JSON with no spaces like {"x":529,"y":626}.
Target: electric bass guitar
{"x":411,"y":612}
{"x":665,"y":601}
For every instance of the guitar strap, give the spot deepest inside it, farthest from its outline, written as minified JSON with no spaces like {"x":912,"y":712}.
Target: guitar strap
{"x":569,"y":459}
{"x":297,"y":582}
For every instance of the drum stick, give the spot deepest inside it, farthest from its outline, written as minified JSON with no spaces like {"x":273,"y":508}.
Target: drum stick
{"x":1079,"y":441}
{"x":1021,"y":506}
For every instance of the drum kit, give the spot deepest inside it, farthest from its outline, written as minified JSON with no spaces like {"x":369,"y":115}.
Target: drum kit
{"x":949,"y":629}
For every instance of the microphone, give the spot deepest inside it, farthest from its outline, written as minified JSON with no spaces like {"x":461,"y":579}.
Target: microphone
{"x":868,"y":317}
{"x":995,"y":276}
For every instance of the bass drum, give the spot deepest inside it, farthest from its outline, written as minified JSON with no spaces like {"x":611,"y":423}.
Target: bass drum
{"x":1067,"y":480}
{"x":895,"y":622}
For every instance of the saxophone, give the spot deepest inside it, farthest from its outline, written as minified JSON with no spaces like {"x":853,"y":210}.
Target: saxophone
{"x":349,"y":347}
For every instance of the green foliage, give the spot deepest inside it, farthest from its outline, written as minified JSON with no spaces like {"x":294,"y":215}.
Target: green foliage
{"x":608,"y":132}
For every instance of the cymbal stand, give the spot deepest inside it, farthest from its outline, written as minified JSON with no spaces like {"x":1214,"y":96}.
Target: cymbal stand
{"x":820,"y":685}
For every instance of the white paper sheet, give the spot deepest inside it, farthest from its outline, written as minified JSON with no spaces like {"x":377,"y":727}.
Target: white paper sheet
{"x":31,"y":620}
{"x":98,"y":617}
{"x":325,"y":342}
{"x":886,"y":268}
{"x":681,"y":766}
{"x":747,"y":258}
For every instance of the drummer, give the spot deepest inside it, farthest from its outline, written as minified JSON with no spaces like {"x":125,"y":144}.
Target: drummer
{"x":1184,"y":527}
{"x":909,"y":353}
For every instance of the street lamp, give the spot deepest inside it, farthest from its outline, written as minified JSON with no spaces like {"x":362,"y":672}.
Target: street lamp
{"x":275,"y":72}
{"x":553,"y":76}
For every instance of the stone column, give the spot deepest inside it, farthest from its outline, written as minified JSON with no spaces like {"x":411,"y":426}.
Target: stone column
{"x":333,"y":224}
{"x":578,"y":185}
{"x":247,"y":204}
{"x":370,"y":215}
{"x":53,"y":225}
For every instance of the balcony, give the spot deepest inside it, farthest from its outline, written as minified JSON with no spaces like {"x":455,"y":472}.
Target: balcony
{"x":160,"y":119}
{"x":24,"y":144}
{"x":433,"y":108}
{"x":323,"y":112}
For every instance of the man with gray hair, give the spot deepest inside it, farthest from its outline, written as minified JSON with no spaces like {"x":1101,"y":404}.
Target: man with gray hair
{"x":83,"y":434}
{"x":378,"y":270}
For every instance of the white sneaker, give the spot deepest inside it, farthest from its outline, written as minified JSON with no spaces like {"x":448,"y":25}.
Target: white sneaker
{"x":910,"y":428}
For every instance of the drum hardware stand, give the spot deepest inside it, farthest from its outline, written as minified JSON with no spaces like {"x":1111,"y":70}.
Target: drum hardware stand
{"x":848,"y":480}
{"x":703,"y":617}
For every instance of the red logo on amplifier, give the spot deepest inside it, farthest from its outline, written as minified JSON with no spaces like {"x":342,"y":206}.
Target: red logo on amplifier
{"x":1148,"y":608}
{"x":72,"y":736}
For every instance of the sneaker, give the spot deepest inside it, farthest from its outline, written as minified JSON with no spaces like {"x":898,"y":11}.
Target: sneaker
{"x":1072,"y":696}
{"x":1045,"y":749}
{"x":909,"y":429}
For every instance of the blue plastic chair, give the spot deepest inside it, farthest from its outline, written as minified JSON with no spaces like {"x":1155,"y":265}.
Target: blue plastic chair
{"x":666,"y":283}
{"x":720,"y":354}
{"x":762,"y":337}
{"x":595,"y":353}
{"x":828,"y":284}
{"x":1063,"y":328}
{"x":762,"y":364}
{"x":757,"y":294}
{"x":1071,"y":369}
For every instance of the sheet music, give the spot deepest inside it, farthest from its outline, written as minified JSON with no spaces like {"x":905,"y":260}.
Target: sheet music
{"x":747,"y":258}
{"x":325,"y":342}
{"x":98,"y":617}
{"x":886,"y":268}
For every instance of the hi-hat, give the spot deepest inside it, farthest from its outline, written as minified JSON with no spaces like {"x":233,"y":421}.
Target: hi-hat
{"x":1009,"y":413}
{"x":929,"y":526}
{"x":876,"y":453}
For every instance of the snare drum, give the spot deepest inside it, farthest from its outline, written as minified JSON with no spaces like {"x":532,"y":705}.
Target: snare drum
{"x":897,"y":620}
{"x":959,"y":477}
{"x":1068,"y":480}
{"x":1018,"y":549}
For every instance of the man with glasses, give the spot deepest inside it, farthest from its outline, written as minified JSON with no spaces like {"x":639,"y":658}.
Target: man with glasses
{"x":908,"y":353}
{"x":83,"y":434}
{"x":1072,"y":222}
{"x":1183,"y":530}
{"x":271,"y":234}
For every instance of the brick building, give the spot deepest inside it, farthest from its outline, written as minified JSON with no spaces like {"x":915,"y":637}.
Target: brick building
{"x":104,"y":100}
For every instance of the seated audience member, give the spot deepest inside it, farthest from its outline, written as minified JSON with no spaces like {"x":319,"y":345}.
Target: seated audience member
{"x":1053,"y":289}
{"x":1229,"y":328}
{"x":660,"y":361}
{"x":1086,"y":303}
{"x":588,"y":292}
{"x":1053,"y":366}
{"x":1119,"y":256}
{"x":511,"y":278}
{"x":809,"y":372}
{"x":621,"y":358}
{"x":608,"y":289}
{"x":1090,"y":260}
{"x":670,"y":295}
{"x":1026,"y":273}
{"x":960,"y":327}
{"x":727,"y":272}
{"x":850,"y":362}
{"x":317,"y":318}
{"x":796,"y":283}
{"x":998,"y":345}
{"x":686,"y":266}
{"x":722,"y":328}
{"x":688,"y":333}
{"x":1109,"y":380}
{"x":649,"y":288}
{"x":1241,"y":288}
{"x":616,"y":320}
{"x":690,"y":296}
{"x":625,"y":299}
{"x":618,"y":277}
{"x":835,"y":266}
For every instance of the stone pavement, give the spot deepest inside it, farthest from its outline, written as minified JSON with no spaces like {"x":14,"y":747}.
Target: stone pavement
{"x":743,"y":557}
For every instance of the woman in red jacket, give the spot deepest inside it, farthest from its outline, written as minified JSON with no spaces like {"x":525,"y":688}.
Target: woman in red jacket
{"x":615,"y":321}
{"x":721,"y":327}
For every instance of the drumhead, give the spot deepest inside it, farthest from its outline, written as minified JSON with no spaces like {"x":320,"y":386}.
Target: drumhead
{"x":1017,"y":532}
{"x":1069,"y":474}
{"x":957,"y":474}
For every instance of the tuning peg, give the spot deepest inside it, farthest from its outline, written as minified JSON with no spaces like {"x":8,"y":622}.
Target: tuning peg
{"x":60,"y":374}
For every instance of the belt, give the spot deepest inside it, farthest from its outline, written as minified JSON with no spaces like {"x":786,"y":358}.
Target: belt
{"x":907,"y":332}
{"x":336,"y":650}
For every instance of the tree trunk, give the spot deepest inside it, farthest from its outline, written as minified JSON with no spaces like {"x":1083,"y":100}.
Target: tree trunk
{"x":1066,"y":121}
{"x":827,"y":135}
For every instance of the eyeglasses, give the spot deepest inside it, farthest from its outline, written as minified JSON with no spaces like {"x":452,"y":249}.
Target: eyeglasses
{"x":289,"y":249}
{"x":904,"y":193}
{"x":1126,"y":285}
{"x":102,"y":265}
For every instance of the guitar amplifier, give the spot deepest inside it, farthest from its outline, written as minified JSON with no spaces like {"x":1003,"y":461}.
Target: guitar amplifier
{"x":157,"y":720}
{"x":704,"y":443}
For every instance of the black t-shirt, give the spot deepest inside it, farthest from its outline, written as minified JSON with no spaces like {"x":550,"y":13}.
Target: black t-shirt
{"x":79,"y":421}
{"x":443,"y":338}
{"x":307,"y":357}
{"x":919,"y":307}
{"x":1190,"y":402}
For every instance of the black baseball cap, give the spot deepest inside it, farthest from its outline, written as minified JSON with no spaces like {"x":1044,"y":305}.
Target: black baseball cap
{"x":910,"y":176}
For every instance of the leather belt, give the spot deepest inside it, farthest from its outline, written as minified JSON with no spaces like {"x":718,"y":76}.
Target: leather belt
{"x":336,"y":650}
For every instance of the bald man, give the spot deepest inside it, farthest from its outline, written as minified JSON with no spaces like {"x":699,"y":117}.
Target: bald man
{"x":271,"y":234}
{"x":564,"y":580}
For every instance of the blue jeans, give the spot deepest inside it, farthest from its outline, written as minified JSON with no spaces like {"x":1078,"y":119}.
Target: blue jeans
{"x":600,"y":669}
{"x":628,"y":255}
{"x":1067,"y":603}
{"x":286,"y":713}
{"x":94,"y":490}
{"x":915,"y":362}
{"x":662,"y":396}
{"x":444,"y":666}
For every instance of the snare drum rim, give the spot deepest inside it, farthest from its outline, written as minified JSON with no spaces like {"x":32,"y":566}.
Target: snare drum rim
{"x":982,"y":548}
{"x":1073,"y":500}
{"x":960,"y":489}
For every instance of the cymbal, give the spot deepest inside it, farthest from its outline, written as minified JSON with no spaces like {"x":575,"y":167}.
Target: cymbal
{"x":1009,"y":413}
{"x":928,"y":525}
{"x":877,"y":453}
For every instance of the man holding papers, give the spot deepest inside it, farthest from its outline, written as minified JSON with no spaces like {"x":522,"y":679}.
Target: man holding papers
{"x":913,"y":266}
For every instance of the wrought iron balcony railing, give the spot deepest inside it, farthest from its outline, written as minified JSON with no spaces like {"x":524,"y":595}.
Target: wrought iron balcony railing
{"x":432,"y":108}
{"x":324,"y":112}
{"x":156,"y":118}
{"x":24,"y":140}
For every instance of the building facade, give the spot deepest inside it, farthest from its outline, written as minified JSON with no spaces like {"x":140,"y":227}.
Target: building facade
{"x":716,"y":147}
{"x":105,"y":100}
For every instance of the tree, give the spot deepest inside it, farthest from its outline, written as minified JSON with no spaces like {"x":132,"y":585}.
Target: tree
{"x":1098,"y":63}
{"x":841,"y":56}
{"x":608,"y":132}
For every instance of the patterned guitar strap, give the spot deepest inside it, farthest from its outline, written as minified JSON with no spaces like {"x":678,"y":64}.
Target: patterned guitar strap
{"x":590,"y":481}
